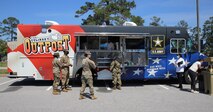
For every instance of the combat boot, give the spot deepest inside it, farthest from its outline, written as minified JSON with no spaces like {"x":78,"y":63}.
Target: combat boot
{"x":64,"y":90}
{"x":68,"y":88}
{"x":58,"y":90}
{"x":55,"y":92}
{"x":81,"y":97}
{"x":93,"y":97}
{"x":119,"y":87}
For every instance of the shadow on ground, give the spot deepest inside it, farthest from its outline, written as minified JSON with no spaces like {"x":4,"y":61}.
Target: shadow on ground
{"x":97,"y":83}
{"x":102,"y":85}
{"x":11,"y":89}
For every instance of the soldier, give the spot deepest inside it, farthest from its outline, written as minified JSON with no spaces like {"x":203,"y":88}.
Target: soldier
{"x":65,"y":71}
{"x":115,"y":68}
{"x":56,"y":72}
{"x":86,"y":77}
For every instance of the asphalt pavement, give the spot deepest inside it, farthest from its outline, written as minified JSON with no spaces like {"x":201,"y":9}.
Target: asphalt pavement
{"x":28,"y":95}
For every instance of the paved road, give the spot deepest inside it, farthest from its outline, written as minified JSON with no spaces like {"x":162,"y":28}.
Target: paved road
{"x":27,"y":95}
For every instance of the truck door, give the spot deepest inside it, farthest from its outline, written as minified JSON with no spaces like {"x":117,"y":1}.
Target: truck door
{"x":135,"y":57}
{"x":157,"y":58}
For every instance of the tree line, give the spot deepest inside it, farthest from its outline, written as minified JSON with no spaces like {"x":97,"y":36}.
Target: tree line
{"x":107,"y":12}
{"x":7,"y":33}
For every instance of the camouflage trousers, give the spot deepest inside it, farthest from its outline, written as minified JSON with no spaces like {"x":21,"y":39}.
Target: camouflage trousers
{"x":116,"y":79}
{"x":85,"y":81}
{"x":65,"y":78}
{"x":56,"y":81}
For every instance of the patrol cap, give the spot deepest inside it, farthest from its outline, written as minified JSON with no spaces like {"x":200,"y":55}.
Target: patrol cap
{"x":87,"y":52}
{"x":65,"y":50}
{"x":56,"y":54}
{"x":115,"y":56}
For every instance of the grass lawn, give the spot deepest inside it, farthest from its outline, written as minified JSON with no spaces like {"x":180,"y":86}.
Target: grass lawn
{"x":3,"y":64}
{"x":3,"y":72}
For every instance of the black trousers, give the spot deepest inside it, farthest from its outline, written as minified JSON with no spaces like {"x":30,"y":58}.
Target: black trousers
{"x":193,"y":76}
{"x":180,"y":79}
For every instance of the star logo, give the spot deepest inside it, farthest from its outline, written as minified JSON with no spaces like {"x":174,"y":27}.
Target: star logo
{"x":152,"y":72}
{"x":172,"y":61}
{"x":157,"y":60}
{"x":137,"y":72}
{"x":158,"y":42}
{"x":167,"y":75}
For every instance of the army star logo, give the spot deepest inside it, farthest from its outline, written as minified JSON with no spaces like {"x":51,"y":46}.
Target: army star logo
{"x":158,"y":42}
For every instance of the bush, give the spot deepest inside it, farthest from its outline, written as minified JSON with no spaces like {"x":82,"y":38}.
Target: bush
{"x":3,"y":64}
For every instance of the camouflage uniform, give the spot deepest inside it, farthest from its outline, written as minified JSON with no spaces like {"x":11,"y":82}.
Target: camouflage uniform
{"x":86,"y":77}
{"x":116,"y":74}
{"x":56,"y":73}
{"x":65,"y":71}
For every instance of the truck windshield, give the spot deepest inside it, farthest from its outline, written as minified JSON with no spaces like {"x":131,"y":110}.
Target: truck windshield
{"x":192,"y":46}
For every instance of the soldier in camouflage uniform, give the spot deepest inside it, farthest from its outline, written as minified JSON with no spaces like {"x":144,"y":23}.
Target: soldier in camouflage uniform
{"x":56,"y":72}
{"x":115,"y":68}
{"x":86,"y":77}
{"x":65,"y":71}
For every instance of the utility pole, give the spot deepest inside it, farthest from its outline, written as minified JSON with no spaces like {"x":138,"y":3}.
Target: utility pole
{"x":198,"y":28}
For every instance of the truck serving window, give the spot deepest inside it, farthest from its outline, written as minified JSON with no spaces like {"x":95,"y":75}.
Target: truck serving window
{"x":192,"y":46}
{"x":177,"y":46}
{"x":109,"y":43}
{"x":103,"y":49}
{"x":90,"y":43}
{"x":134,"y":43}
{"x":99,"y":43}
{"x":135,"y":52}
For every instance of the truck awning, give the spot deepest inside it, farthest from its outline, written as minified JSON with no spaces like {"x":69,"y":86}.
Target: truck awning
{"x":109,"y":34}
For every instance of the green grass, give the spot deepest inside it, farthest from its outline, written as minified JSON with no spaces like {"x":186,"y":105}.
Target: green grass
{"x":3,"y":72}
{"x":3,"y":64}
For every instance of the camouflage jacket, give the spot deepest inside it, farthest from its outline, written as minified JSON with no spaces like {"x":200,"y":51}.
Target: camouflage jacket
{"x":65,"y":62}
{"x":87,"y":65}
{"x":115,"y":67}
{"x":56,"y":65}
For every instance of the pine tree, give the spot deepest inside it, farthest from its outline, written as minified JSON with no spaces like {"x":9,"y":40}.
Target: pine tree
{"x":109,"y":12}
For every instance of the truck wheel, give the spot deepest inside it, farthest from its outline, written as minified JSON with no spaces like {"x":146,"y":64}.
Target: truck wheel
{"x":187,"y":77}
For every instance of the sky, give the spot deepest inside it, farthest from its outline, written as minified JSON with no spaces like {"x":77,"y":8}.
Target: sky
{"x":63,"y":11}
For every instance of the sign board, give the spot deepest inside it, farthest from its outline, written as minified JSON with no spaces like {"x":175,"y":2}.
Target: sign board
{"x":158,"y":44}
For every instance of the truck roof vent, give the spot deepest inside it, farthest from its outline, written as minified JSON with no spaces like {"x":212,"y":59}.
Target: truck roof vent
{"x":129,"y":24}
{"x":51,"y":22}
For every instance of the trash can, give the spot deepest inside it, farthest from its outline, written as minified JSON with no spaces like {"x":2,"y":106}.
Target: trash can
{"x":208,"y":77}
{"x":201,"y":81}
{"x":211,"y":80}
